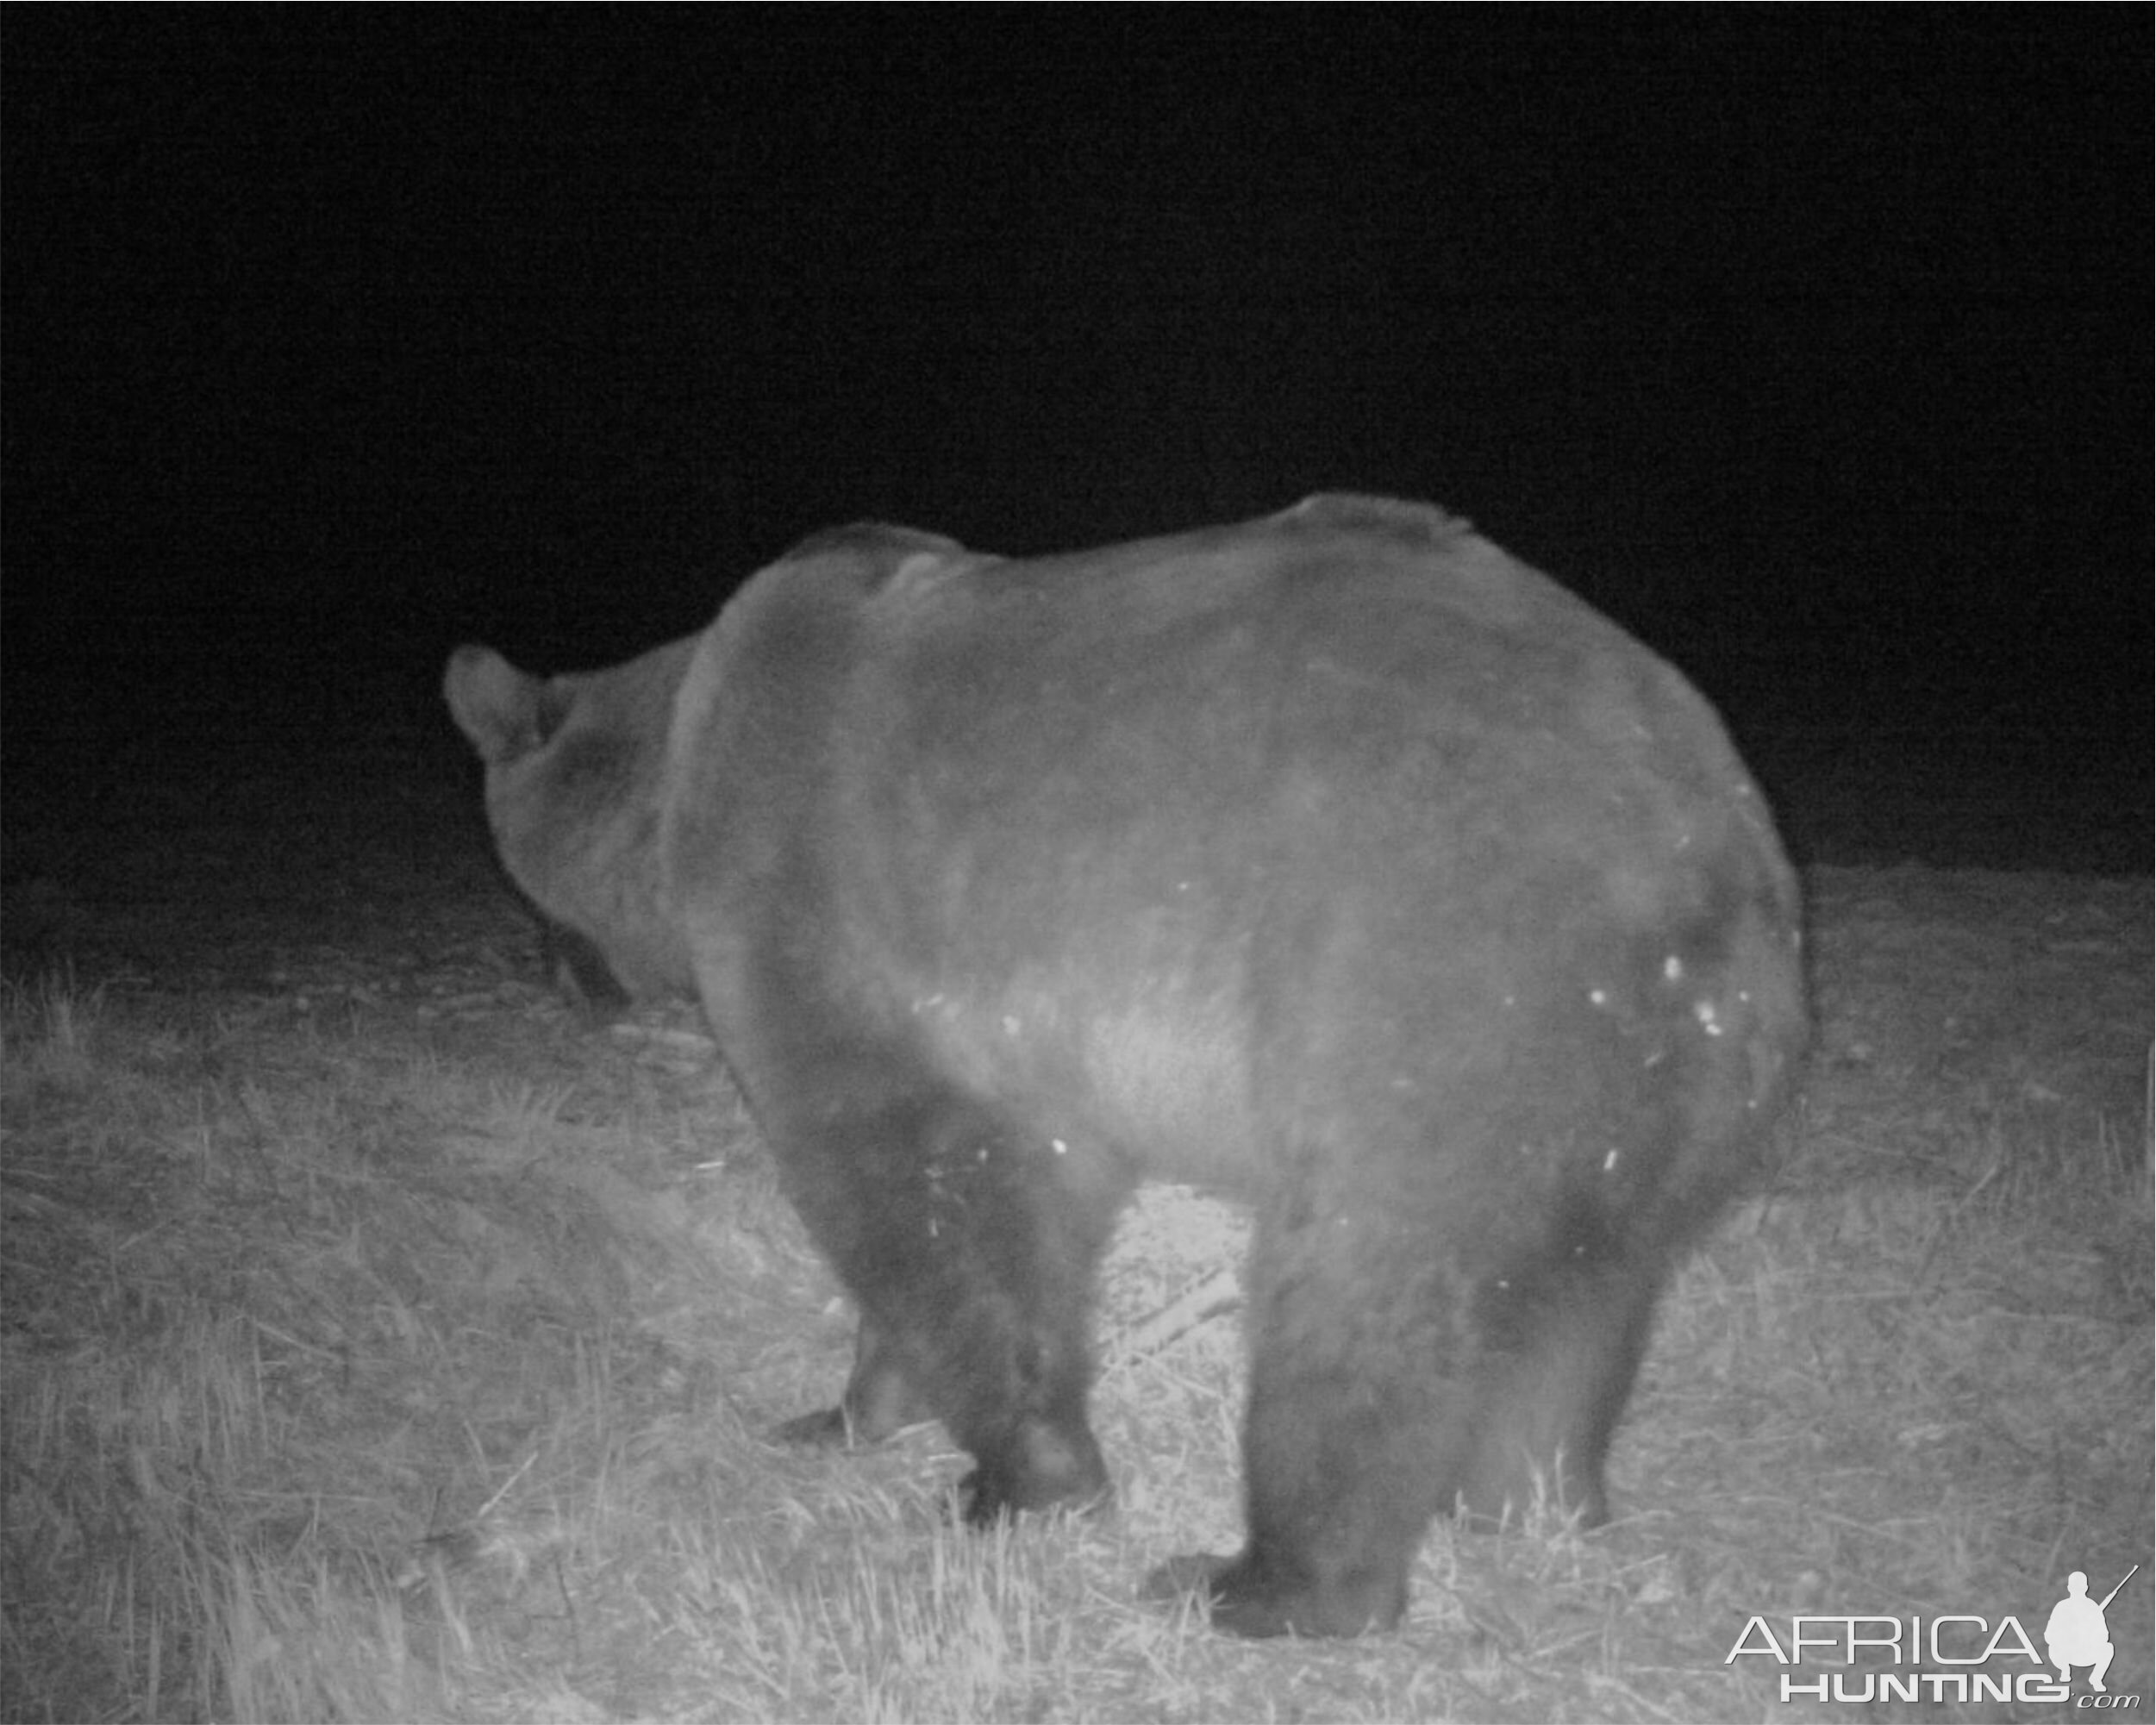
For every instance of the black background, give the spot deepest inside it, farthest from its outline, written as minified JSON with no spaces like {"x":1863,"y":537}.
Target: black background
{"x":1814,"y":345}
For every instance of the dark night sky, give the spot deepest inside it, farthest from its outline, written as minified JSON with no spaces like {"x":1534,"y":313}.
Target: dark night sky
{"x":1812,"y":344}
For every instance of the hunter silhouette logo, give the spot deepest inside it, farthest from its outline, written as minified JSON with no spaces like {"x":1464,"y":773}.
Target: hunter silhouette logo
{"x":2076,"y":1633}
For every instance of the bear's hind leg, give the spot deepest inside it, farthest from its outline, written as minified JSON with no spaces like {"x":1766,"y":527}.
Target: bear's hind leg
{"x":878,"y":1402}
{"x":1351,"y":1444}
{"x":969,"y":1250}
{"x":1552,"y":1398}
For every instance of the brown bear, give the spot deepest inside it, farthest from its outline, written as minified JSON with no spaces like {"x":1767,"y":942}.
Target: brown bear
{"x":1335,"y":860}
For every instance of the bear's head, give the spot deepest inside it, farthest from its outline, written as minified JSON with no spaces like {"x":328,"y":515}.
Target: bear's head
{"x":575,"y":789}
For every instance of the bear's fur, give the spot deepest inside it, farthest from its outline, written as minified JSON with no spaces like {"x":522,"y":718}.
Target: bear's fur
{"x":1336,"y":861}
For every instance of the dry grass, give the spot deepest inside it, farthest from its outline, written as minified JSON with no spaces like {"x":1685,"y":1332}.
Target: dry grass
{"x":386,"y":1362}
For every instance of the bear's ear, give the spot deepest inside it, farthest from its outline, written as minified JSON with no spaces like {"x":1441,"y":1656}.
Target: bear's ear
{"x":494,"y":704}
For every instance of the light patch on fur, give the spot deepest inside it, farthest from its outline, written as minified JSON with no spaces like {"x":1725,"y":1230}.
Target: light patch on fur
{"x":925,"y":571}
